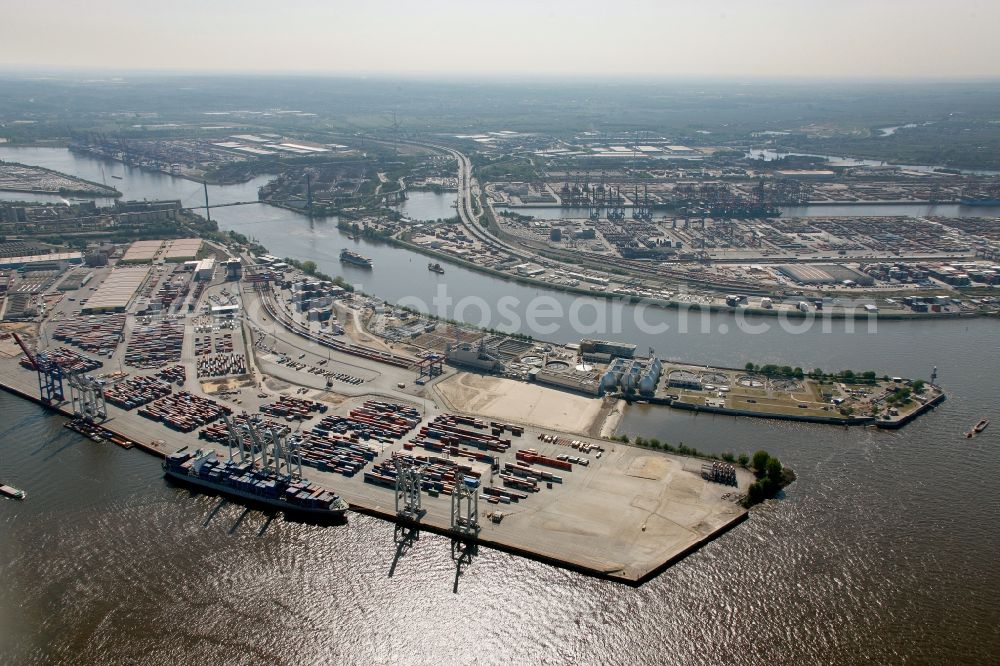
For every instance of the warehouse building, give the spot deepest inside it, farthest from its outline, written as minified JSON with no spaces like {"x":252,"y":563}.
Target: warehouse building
{"x":142,"y":252}
{"x":182,"y":249}
{"x":27,"y":262}
{"x":174,"y":251}
{"x":117,"y":290}
{"x":825,"y":274}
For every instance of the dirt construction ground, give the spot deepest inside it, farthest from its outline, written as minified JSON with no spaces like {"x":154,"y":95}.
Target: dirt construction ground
{"x":511,"y":400}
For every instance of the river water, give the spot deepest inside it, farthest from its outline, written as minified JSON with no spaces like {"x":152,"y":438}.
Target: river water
{"x":829,"y":210}
{"x":768,"y":154}
{"x":884,"y":551}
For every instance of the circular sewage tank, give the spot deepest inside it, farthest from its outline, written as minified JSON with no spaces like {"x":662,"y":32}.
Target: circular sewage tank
{"x":584,"y":367}
{"x":789,"y":385}
{"x":682,"y":376}
{"x":531,"y":360}
{"x":750,"y":381}
{"x":557,"y":366}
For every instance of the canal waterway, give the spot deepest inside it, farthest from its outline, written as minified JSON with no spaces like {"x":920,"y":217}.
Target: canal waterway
{"x":884,"y":551}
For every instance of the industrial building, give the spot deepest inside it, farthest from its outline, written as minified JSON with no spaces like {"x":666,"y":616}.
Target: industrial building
{"x":319,"y":314}
{"x":27,"y":262}
{"x":76,"y":280}
{"x":117,"y":290}
{"x":234,"y":269}
{"x":478,"y":357}
{"x":825,"y":274}
{"x":225,"y":310}
{"x":141,"y":252}
{"x":204,"y":270}
{"x":182,"y":249}
{"x":603,"y":351}
{"x":575,"y":380}
{"x":313,"y":294}
{"x":177,"y":250}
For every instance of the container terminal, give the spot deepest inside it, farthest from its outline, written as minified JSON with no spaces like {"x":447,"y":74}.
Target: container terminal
{"x":495,"y":442}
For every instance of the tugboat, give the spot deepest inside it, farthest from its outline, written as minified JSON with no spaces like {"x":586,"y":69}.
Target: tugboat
{"x":435,"y":268}
{"x":350,"y":257}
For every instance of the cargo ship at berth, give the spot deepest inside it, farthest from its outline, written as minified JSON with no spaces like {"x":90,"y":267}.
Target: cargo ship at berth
{"x":980,"y":196}
{"x":246,"y":481}
{"x":350,"y":257}
{"x":985,"y":201}
{"x":741,"y":211}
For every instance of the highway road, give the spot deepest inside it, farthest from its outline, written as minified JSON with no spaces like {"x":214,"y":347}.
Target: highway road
{"x":466,"y":209}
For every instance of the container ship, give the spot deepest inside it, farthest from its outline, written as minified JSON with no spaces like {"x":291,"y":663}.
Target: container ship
{"x":435,"y":268}
{"x":980,"y":201}
{"x":246,"y":481}
{"x":980,"y":196}
{"x":350,"y":257}
{"x":743,"y":211}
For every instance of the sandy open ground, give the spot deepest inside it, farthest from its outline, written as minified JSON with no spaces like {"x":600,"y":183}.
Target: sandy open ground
{"x":510,"y":400}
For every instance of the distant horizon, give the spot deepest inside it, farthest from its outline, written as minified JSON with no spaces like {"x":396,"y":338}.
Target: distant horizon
{"x":43,"y":72}
{"x":731,"y":39}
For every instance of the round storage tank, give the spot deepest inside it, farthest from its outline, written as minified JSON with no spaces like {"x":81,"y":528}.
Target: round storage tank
{"x":628,"y":381}
{"x":608,"y":381}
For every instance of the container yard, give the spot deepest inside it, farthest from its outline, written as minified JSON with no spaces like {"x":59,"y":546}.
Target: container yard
{"x":222,"y":365}
{"x":183,"y":411}
{"x":68,"y":360}
{"x":360,"y":419}
{"x":134,"y":392}
{"x":624,"y":514}
{"x":22,"y":178}
{"x":97,"y":333}
{"x":155,"y":344}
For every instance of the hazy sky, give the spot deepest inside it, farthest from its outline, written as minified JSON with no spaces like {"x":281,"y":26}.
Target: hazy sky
{"x":909,"y":38}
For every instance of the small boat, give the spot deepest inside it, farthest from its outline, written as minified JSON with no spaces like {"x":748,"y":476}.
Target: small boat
{"x":435,"y":268}
{"x":13,"y":493}
{"x":116,"y":177}
{"x":976,"y":429}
